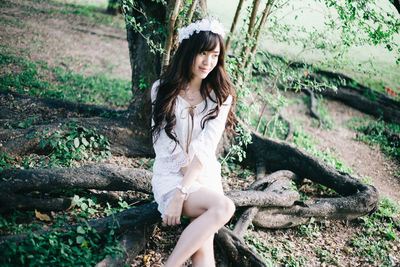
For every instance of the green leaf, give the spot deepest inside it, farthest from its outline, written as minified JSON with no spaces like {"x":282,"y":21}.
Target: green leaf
{"x":80,"y":230}
{"x":43,"y":143}
{"x":80,"y":239}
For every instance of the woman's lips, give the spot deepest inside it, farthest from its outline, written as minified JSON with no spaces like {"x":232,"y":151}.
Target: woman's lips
{"x":204,"y":69}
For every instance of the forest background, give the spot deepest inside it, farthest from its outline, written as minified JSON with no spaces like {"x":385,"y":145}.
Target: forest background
{"x":76,"y":51}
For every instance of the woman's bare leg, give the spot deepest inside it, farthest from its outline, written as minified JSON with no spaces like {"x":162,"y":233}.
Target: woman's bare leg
{"x":212,"y":210}
{"x":204,"y":256}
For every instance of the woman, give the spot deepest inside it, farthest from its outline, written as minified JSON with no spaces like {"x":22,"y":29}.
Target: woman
{"x":192,"y":106}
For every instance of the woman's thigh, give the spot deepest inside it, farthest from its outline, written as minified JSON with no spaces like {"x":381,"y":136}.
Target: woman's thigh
{"x":200,"y":201}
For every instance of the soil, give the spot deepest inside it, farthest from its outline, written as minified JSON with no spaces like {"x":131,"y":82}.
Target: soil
{"x":38,"y":31}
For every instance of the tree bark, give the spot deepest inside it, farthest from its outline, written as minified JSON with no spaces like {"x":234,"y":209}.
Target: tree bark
{"x":234,"y":23}
{"x":396,"y":4}
{"x":362,"y":98}
{"x":250,"y":32}
{"x":236,"y":251}
{"x":265,"y":14}
{"x":191,"y":11}
{"x":16,"y":183}
{"x":358,"y":198}
{"x":173,"y":10}
{"x":145,"y":64}
{"x":313,"y":111}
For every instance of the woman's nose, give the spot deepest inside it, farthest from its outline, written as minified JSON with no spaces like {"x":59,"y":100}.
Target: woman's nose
{"x":206,"y":60}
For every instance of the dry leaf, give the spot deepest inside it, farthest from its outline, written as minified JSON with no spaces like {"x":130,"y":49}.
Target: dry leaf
{"x":42,"y":216}
{"x":146,"y":259}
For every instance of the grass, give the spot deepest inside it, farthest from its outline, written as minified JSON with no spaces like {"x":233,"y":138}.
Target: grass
{"x":92,"y":11}
{"x":74,"y":143}
{"x":276,"y":252}
{"x":36,"y":78}
{"x":305,"y":141}
{"x":379,"y":231}
{"x":79,"y":245}
{"x":71,"y":145}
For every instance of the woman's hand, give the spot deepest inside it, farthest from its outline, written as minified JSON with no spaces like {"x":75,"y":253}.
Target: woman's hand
{"x":172,"y":215}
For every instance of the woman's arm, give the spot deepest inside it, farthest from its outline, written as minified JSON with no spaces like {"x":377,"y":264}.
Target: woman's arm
{"x":173,"y":213}
{"x":205,"y":145}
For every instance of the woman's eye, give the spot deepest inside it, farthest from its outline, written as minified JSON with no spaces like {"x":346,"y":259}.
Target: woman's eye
{"x":203,"y":53}
{"x":215,"y":56}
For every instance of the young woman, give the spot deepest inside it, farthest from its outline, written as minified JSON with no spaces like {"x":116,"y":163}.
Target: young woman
{"x":192,"y":106}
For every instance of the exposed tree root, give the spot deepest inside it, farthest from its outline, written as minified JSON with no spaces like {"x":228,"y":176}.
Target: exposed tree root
{"x":353,"y":94}
{"x":358,"y":198}
{"x":362,"y":98}
{"x":94,"y":176}
{"x":235,"y":251}
{"x":248,"y":215}
{"x":313,"y":111}
{"x":244,"y":221}
{"x":132,"y":243}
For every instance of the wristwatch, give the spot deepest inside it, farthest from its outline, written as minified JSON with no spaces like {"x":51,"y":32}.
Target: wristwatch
{"x":183,"y":189}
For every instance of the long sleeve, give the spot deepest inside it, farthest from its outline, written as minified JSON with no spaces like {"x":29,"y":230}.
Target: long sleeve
{"x":169,"y":155}
{"x":205,"y":145}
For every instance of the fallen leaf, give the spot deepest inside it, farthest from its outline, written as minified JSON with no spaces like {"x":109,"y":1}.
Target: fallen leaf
{"x":146,"y":259}
{"x":42,"y":216}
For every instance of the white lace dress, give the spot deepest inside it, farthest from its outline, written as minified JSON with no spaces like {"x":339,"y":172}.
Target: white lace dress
{"x":203,"y":143}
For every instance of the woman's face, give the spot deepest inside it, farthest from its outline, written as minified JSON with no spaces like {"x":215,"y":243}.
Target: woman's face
{"x":205,"y":62}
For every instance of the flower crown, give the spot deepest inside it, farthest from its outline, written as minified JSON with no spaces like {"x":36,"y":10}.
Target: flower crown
{"x":201,"y":25}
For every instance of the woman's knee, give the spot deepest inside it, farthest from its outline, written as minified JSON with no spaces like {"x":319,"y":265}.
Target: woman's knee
{"x":224,"y":208}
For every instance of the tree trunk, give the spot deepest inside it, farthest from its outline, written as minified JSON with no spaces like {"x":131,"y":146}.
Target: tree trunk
{"x":174,"y":10}
{"x":234,"y":23}
{"x":146,"y":65}
{"x":250,"y":33}
{"x":396,"y":4}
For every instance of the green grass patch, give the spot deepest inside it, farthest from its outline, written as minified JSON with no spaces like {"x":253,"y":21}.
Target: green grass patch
{"x":64,"y":148}
{"x":274,"y":127}
{"x":63,"y":245}
{"x":378,"y":232}
{"x":80,"y":245}
{"x":75,"y":143}
{"x":92,"y":12}
{"x":302,"y":140}
{"x":378,"y":133}
{"x":326,"y":257}
{"x":276,"y":253}
{"x":38,"y":79}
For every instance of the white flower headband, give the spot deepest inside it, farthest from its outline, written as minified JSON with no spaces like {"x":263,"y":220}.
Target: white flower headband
{"x":201,"y":25}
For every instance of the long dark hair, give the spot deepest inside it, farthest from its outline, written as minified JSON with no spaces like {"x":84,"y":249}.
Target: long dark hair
{"x":177,"y":76}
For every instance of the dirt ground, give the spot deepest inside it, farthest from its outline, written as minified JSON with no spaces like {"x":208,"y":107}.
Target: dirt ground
{"x":35,"y":30}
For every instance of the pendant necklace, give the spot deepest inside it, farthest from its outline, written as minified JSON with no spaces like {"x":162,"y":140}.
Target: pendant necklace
{"x":189,"y":97}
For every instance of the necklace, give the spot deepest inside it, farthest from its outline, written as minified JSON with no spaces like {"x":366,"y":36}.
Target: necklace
{"x":192,"y":97}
